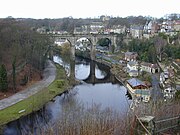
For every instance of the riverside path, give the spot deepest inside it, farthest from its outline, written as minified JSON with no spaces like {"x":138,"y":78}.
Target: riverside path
{"x":49,"y":75}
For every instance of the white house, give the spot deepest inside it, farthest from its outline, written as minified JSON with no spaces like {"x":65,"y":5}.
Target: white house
{"x":118,"y":29}
{"x":149,"y":67}
{"x":132,"y":68}
{"x":96,"y":27}
{"x":132,"y":65}
{"x":166,"y":26}
{"x":60,"y":42}
{"x":162,"y":78}
{"x":133,"y":73}
{"x":169,"y":92}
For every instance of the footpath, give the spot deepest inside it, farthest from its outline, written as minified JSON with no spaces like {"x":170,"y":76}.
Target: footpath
{"x":49,"y":75}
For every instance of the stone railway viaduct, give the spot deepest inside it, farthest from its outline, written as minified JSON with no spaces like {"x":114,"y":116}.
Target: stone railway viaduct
{"x":93,"y":38}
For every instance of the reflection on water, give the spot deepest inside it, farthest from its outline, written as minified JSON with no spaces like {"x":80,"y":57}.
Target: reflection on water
{"x":82,"y":68}
{"x":84,"y":95}
{"x":34,"y":123}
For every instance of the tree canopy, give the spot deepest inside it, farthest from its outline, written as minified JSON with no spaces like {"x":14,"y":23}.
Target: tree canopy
{"x":19,"y":44}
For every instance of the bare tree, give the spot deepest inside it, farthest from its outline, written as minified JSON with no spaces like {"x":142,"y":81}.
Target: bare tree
{"x":159,"y":44}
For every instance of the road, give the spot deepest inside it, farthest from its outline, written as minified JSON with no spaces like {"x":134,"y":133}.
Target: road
{"x":156,"y":93}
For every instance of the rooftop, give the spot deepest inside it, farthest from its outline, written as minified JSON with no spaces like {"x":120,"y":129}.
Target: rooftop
{"x":149,"y":64}
{"x":130,"y":53}
{"x":135,"y":82}
{"x":132,"y":63}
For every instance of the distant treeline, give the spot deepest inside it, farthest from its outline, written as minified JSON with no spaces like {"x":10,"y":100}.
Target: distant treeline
{"x":68,"y":23}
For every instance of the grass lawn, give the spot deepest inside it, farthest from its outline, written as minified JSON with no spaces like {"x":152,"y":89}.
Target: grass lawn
{"x":36,"y":101}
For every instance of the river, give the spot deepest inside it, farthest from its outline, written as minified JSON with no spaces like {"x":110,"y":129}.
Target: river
{"x":103,"y":93}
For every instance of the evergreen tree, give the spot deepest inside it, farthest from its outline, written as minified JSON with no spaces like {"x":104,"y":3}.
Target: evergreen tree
{"x":3,"y":79}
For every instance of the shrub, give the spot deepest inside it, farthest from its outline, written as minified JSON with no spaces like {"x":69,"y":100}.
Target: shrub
{"x":60,"y":83}
{"x":24,"y":80}
{"x":177,"y":95}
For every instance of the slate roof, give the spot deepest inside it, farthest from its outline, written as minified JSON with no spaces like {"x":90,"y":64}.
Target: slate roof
{"x":149,"y":65}
{"x":135,"y":82}
{"x":132,"y":63}
{"x":133,"y":71}
{"x":130,"y":53}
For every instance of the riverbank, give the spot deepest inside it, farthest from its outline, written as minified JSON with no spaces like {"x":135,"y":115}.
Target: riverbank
{"x":116,"y":69}
{"x":34,"y":97}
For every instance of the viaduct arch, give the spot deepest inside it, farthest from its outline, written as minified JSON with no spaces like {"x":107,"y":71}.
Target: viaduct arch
{"x":93,"y":38}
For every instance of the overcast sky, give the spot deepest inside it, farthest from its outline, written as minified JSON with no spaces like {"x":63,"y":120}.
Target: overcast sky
{"x":86,"y":8}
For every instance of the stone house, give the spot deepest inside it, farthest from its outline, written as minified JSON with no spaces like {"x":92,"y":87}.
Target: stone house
{"x":136,"y":31}
{"x":131,"y":56}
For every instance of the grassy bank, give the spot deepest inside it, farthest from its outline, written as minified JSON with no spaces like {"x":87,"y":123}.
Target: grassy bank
{"x":36,"y":101}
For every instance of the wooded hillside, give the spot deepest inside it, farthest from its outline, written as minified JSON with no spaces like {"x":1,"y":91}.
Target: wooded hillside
{"x":21,"y":50}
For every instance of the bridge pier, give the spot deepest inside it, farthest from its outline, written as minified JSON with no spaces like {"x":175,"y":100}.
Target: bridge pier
{"x":92,"y":76}
{"x":113,"y":40}
{"x":93,"y":47}
{"x":72,"y":65}
{"x":72,"y":71}
{"x":72,"y":52}
{"x":92,"y":72}
{"x":93,"y":52}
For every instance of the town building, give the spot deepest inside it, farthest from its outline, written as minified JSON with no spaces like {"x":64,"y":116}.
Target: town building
{"x":166,"y":77}
{"x":167,"y":27}
{"x":118,"y":29}
{"x":149,"y":67}
{"x":82,"y":29}
{"x":96,"y":27}
{"x":138,"y":89}
{"x":41,"y":30}
{"x":131,"y":56}
{"x":151,"y":27}
{"x":136,"y":31}
{"x":132,"y":65}
{"x":169,"y":92}
{"x":133,"y":73}
{"x":176,"y":25}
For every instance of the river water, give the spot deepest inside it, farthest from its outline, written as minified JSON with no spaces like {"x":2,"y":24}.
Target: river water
{"x":104,"y":95}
